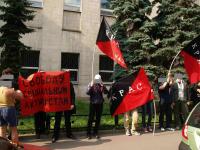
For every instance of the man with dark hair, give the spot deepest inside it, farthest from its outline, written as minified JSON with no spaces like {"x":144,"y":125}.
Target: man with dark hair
{"x":179,"y":98}
{"x":165,"y":103}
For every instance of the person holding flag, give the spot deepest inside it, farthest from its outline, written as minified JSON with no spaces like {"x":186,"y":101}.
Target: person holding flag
{"x":131,"y":130}
{"x":165,"y":103}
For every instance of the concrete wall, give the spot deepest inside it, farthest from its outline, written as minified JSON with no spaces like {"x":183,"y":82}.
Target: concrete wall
{"x":59,"y":30}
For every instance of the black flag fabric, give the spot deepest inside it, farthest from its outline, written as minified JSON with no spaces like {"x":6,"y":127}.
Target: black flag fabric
{"x":108,"y":45}
{"x":130,"y":92}
{"x":191,"y":55}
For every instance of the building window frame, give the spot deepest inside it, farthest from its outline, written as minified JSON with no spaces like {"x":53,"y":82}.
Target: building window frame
{"x":31,"y":68}
{"x":37,"y":3}
{"x":72,"y":69}
{"x":106,"y":71}
{"x":105,"y":11}
{"x":72,"y":7}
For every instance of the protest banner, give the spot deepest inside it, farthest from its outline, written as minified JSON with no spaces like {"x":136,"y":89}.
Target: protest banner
{"x":45,"y":91}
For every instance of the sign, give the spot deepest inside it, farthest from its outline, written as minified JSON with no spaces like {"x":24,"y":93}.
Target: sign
{"x":45,"y":91}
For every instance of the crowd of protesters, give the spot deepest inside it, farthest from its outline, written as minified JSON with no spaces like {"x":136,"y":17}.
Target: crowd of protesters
{"x":175,"y":95}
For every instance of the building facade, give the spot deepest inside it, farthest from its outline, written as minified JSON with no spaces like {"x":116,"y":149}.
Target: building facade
{"x":64,"y":38}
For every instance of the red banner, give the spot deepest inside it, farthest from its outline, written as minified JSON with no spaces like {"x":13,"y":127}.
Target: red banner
{"x":45,"y":91}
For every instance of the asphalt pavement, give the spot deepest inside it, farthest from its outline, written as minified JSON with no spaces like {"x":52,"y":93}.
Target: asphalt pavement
{"x":111,"y":141}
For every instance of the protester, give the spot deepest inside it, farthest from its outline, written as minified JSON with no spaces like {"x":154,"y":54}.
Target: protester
{"x":165,"y":103}
{"x":67,"y":115}
{"x":40,"y":123}
{"x":8,"y":112}
{"x":195,"y":96}
{"x":131,"y":130}
{"x":96,"y":89}
{"x":147,"y":110}
{"x":179,"y":92}
{"x":111,"y":97}
{"x":39,"y":119}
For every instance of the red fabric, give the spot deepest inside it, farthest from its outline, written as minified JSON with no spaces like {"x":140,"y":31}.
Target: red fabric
{"x":112,"y":50}
{"x":45,"y":91}
{"x":34,"y":147}
{"x":192,"y":67}
{"x":139,"y":94}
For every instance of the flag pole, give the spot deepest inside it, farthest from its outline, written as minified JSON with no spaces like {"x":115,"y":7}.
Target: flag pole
{"x":173,"y":61}
{"x":93,"y":63}
{"x":154,"y":126}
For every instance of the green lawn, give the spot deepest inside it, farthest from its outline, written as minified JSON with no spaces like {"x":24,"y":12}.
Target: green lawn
{"x":26,"y":125}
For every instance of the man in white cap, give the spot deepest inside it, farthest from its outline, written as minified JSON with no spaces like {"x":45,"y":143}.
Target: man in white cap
{"x":96,"y":89}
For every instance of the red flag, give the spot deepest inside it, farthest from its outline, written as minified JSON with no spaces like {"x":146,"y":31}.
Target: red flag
{"x":108,"y":45}
{"x":191,"y":55}
{"x":131,"y":92}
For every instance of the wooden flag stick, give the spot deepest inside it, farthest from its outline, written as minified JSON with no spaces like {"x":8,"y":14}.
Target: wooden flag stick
{"x":173,"y":61}
{"x":154,"y":125}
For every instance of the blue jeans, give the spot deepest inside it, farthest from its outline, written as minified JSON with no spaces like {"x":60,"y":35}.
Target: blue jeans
{"x":8,"y":116}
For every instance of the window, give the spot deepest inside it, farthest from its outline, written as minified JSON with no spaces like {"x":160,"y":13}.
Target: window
{"x":36,"y":3}
{"x":194,"y":119}
{"x":70,"y":61}
{"x":105,"y":4}
{"x":106,"y":68}
{"x":30,"y":62}
{"x":72,"y":2}
{"x":72,"y":5}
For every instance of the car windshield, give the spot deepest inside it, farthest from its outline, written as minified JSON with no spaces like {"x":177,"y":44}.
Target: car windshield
{"x":194,"y":119}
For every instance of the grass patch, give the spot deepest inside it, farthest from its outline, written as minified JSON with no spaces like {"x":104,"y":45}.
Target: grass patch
{"x":26,"y":125}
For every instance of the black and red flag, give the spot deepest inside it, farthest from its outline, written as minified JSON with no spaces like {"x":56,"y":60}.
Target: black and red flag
{"x":108,"y":45}
{"x":130,"y":92}
{"x":191,"y":55}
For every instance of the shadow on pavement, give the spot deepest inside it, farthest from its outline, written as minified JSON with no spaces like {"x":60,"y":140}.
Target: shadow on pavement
{"x":63,"y":144}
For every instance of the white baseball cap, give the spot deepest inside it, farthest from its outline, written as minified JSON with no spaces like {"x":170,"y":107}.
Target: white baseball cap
{"x":97,"y":78}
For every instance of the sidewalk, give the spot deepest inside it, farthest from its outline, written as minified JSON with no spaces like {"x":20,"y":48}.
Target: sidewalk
{"x":111,"y":140}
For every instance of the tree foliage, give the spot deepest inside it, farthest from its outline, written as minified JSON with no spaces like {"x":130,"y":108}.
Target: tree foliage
{"x":153,"y":43}
{"x":14,"y":14}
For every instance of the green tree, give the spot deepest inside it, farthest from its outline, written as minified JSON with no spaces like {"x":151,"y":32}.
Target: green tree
{"x":135,"y":32}
{"x":178,"y":22}
{"x":14,"y":15}
{"x":154,"y":43}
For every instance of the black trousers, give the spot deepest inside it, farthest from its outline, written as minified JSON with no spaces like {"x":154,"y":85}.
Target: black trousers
{"x":180,"y":112}
{"x":146,"y":110}
{"x":116,"y":119}
{"x":94,"y":110}
{"x":40,"y":122}
{"x":165,"y":109}
{"x":58,"y":117}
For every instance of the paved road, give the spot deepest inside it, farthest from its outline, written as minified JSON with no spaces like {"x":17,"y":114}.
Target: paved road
{"x":117,"y":141}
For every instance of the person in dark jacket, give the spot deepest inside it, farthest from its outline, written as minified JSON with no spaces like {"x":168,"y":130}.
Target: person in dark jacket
{"x":179,"y":92}
{"x":195,"y":93}
{"x":96,"y":89}
{"x":165,"y":103}
{"x":110,"y":96}
{"x":67,"y":115}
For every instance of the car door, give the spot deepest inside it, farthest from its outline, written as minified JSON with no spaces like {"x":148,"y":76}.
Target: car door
{"x":194,"y":128}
